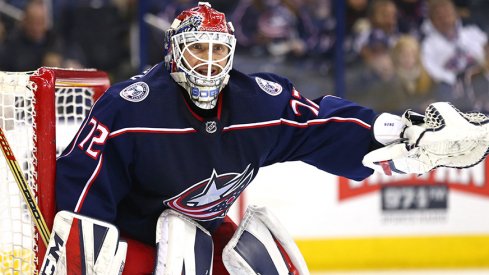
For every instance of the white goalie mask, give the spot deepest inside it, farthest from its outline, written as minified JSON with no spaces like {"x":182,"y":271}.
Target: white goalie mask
{"x":200,"y":47}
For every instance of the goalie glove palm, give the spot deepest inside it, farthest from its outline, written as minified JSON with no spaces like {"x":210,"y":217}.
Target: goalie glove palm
{"x":445,"y":138}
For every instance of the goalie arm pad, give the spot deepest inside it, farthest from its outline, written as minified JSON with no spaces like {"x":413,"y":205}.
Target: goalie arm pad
{"x":261,"y":245}
{"x":83,"y":245}
{"x":389,"y":129}
{"x":183,"y":246}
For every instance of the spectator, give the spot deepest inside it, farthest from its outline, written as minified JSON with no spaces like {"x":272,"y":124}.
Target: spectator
{"x":356,"y":14}
{"x":449,"y":50}
{"x":271,"y":27}
{"x":320,"y":25}
{"x":411,"y":16}
{"x":356,"y":23}
{"x":413,"y":81}
{"x":478,"y":84}
{"x":409,"y":70}
{"x":32,"y":44}
{"x":382,"y":22}
{"x":275,"y":36}
{"x":392,"y":79}
{"x":373,"y":83}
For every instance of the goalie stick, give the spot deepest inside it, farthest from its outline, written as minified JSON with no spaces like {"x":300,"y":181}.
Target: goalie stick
{"x":24,"y":188}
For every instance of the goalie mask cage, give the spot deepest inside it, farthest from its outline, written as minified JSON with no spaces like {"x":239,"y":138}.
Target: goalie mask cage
{"x":40,"y":112}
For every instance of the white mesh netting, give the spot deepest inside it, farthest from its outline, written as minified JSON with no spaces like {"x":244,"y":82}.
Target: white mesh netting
{"x":18,"y":238}
{"x":17,"y":235}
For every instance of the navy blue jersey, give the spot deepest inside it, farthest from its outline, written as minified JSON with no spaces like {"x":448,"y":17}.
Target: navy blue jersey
{"x":142,"y":149}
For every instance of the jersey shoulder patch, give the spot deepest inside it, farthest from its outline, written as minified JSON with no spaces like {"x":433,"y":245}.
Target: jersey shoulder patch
{"x":269,"y":87}
{"x":135,"y":92}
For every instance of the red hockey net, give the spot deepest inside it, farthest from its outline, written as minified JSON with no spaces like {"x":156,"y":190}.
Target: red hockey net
{"x":40,"y":112}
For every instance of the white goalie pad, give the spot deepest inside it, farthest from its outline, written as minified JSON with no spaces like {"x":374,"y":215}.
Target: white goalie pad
{"x":183,"y":246}
{"x":82,"y":245}
{"x":261,"y":245}
{"x":447,"y":138}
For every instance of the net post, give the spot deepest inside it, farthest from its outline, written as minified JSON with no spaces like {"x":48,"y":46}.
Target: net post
{"x":45,"y":144}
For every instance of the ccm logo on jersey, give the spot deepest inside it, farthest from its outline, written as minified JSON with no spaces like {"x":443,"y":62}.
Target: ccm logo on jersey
{"x":135,"y":92}
{"x":269,"y":87}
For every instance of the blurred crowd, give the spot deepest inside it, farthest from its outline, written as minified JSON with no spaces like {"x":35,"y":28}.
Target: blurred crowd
{"x":398,"y":53}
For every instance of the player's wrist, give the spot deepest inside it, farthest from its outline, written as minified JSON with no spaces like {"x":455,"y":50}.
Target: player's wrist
{"x":387,"y":128}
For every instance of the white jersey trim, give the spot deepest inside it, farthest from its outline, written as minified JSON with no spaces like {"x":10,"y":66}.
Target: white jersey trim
{"x":292,"y":123}
{"x":152,"y":130}
{"x":262,"y":124}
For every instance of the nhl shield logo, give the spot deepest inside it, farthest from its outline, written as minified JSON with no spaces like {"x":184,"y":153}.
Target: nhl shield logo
{"x":269,"y":87}
{"x":211,"y":127}
{"x":135,"y":92}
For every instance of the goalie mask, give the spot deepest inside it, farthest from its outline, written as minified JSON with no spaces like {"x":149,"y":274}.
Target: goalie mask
{"x":199,"y":53}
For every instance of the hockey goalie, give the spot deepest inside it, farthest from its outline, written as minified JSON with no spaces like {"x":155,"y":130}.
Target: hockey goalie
{"x":162,"y":156}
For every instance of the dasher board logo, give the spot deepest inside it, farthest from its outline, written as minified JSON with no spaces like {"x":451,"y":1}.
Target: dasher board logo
{"x":135,"y":92}
{"x":269,"y":87}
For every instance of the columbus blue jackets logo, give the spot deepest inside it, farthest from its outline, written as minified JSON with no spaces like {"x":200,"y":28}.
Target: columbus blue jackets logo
{"x":135,"y":92}
{"x":211,"y":198}
{"x":269,"y":87}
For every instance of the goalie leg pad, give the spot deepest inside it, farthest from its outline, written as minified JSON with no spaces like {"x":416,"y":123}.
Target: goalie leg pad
{"x":183,"y":246}
{"x":261,"y":245}
{"x":83,"y":245}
